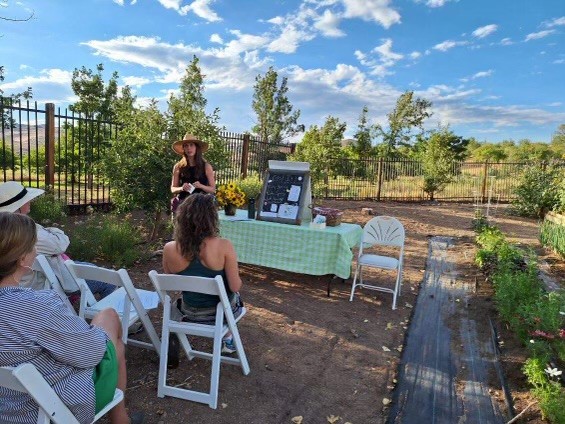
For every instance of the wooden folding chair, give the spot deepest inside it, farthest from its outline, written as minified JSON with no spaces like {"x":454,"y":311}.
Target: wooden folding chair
{"x":26,"y":378}
{"x":121,"y":300}
{"x":165,"y":283}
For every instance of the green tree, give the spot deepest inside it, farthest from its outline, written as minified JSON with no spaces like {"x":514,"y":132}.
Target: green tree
{"x":489,"y":152}
{"x":321,"y":147}
{"x":5,"y":116}
{"x":96,"y":98}
{"x":528,"y":151}
{"x":276,"y":120}
{"x":408,"y":115}
{"x":558,"y":141}
{"x":187,"y":113}
{"x":364,"y":135}
{"x":138,"y":163}
{"x":437,"y":161}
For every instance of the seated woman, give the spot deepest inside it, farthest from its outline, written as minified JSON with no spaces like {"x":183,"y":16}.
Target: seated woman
{"x":198,"y":250}
{"x":83,"y":363}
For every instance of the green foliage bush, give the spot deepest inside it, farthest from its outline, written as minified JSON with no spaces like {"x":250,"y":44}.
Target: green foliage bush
{"x":534,"y":315}
{"x":538,"y":191}
{"x":106,"y":237}
{"x":48,"y":209}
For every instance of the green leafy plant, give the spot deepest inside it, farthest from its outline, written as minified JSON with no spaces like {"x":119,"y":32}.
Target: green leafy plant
{"x":538,"y":191}
{"x":553,"y":235}
{"x":47,"y":209}
{"x":106,"y":237}
{"x":251,"y":186}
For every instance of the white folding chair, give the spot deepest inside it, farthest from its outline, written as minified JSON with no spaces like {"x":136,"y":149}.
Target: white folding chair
{"x":120,"y":300}
{"x":51,"y":281}
{"x":165,"y":283}
{"x":26,"y":378}
{"x":380,"y":231}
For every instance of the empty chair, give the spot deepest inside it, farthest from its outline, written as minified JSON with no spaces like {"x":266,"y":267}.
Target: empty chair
{"x":380,"y":231}
{"x":122,"y":300}
{"x":27,"y":379}
{"x":165,"y":283}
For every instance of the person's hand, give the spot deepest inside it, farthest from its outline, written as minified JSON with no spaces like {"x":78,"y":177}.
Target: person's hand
{"x":198,"y":184}
{"x":186,"y":187}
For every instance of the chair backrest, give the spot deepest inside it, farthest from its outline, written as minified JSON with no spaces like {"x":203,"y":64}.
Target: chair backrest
{"x":173,"y":282}
{"x":384,"y":231}
{"x":51,"y":279}
{"x":27,"y":379}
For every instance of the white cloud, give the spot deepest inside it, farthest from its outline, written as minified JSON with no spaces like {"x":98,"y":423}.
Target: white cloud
{"x":482,"y":74}
{"x":506,"y":42}
{"x":385,"y":59}
{"x":328,"y":24}
{"x":372,"y":10}
{"x":415,"y":55}
{"x":555,"y":22}
{"x":559,"y":61}
{"x":215,"y":38}
{"x":484,"y":31}
{"x":120,"y":2}
{"x":136,"y":81}
{"x":200,"y":8}
{"x":243,"y":43}
{"x":449,"y":44}
{"x":540,"y":34}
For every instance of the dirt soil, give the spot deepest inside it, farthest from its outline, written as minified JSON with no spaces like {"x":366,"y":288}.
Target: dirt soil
{"x":319,"y":359}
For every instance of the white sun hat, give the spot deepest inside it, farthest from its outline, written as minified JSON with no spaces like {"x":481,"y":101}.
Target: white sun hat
{"x":13,"y":195}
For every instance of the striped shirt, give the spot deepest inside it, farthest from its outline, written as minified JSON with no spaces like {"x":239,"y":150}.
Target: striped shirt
{"x":36,"y":327}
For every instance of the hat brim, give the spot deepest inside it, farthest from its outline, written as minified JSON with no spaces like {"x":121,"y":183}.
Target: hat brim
{"x":177,"y":146}
{"x":31,"y":194}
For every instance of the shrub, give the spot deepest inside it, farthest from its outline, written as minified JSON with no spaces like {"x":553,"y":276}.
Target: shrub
{"x":106,"y":237}
{"x":537,"y":192}
{"x":47,"y":210}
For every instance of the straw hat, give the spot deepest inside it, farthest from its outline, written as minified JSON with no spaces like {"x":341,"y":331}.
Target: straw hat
{"x":13,"y":195}
{"x":189,"y":138}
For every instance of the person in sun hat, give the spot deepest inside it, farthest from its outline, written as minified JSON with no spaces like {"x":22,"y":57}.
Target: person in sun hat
{"x":51,"y":242}
{"x":191,"y":174}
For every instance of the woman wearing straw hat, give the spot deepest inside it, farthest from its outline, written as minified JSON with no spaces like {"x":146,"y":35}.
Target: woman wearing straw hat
{"x":192,"y":174}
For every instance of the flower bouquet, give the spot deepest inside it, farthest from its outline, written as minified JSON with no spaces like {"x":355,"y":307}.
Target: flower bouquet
{"x":231,"y":197}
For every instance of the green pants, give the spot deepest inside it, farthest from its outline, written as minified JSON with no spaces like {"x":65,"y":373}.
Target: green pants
{"x":105,"y":377}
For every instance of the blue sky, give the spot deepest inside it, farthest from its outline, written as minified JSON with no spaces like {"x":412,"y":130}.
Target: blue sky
{"x":493,"y":69}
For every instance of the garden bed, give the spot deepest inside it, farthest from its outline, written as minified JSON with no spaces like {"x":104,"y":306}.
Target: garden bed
{"x":322,"y":358}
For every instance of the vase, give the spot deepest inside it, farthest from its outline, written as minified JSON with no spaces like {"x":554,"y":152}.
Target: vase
{"x":251,"y":209}
{"x":230,"y":209}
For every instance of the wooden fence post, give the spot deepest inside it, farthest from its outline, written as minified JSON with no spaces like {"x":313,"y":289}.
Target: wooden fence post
{"x":484,"y":184}
{"x":50,"y":145}
{"x":245,"y":156}
{"x":380,"y":178}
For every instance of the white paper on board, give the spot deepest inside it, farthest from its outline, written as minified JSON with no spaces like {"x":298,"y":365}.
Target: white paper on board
{"x":294,"y":193}
{"x":288,"y":211}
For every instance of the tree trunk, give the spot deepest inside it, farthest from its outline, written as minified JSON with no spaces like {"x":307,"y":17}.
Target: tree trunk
{"x":156,"y":225}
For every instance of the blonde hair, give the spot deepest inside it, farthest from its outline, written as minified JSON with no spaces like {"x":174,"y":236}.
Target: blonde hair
{"x":18,"y":235}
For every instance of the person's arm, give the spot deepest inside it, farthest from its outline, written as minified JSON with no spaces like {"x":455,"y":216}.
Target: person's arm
{"x":168,"y":250}
{"x":51,"y":241}
{"x":69,"y":338}
{"x":211,"y":187}
{"x":176,"y":188}
{"x":231,"y":267}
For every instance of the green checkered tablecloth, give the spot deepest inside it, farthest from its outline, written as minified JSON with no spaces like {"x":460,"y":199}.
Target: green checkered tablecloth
{"x":296,"y":248}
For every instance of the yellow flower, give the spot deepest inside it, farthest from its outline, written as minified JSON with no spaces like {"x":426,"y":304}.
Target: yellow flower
{"x":230,"y":193}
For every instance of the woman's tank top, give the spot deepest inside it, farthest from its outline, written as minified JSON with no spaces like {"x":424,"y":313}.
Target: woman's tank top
{"x":187,"y":174}
{"x":200,"y":300}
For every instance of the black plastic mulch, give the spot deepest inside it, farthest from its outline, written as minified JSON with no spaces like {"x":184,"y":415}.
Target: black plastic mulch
{"x":445,"y":363}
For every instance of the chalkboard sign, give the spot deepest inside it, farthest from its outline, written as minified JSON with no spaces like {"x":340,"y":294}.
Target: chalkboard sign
{"x":283,"y":196}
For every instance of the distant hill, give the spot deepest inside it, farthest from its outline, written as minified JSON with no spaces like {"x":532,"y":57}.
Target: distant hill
{"x":29,"y":136}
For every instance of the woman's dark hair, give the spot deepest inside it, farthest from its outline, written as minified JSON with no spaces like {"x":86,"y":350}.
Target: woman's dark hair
{"x":196,"y":218}
{"x":199,"y":162}
{"x":18,"y":235}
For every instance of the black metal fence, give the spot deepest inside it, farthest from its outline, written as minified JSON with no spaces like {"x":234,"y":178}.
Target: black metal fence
{"x":62,"y":150}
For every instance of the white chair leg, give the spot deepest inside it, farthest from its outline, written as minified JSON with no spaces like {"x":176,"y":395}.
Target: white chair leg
{"x":354,"y":284}
{"x":163,"y":358}
{"x":241,"y":353}
{"x":215,"y":371}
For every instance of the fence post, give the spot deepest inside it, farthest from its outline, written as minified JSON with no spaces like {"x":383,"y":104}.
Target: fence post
{"x":50,"y":145}
{"x":245,"y":156}
{"x":380,"y":178}
{"x":484,"y":184}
